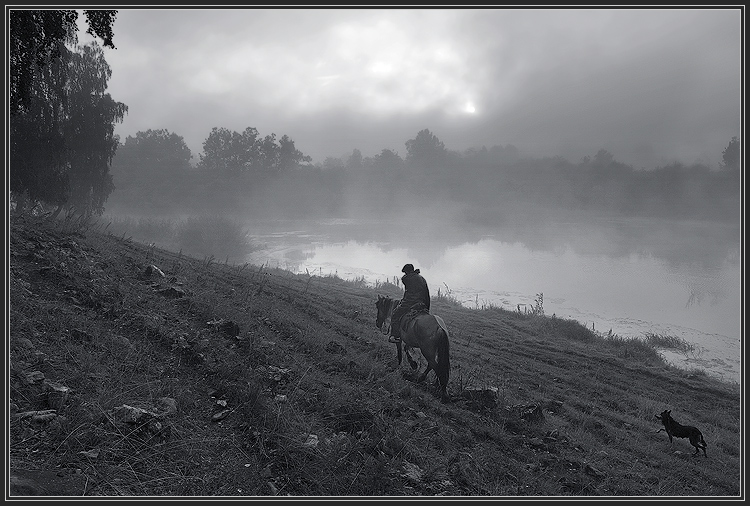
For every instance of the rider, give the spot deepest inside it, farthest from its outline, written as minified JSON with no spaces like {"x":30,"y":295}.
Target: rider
{"x":415,"y":291}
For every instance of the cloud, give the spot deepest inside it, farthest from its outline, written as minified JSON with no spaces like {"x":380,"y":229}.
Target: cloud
{"x":645,"y":84}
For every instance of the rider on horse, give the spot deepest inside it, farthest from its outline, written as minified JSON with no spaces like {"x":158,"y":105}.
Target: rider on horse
{"x":415,"y":292}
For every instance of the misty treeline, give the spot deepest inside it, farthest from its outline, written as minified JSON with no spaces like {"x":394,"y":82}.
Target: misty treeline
{"x":251,"y":175}
{"x":64,"y":155}
{"x":237,"y":173}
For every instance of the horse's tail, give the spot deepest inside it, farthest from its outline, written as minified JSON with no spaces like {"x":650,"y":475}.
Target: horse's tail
{"x":443,"y":361}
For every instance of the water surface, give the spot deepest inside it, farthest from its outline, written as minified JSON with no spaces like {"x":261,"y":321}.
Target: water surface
{"x":630,"y":277}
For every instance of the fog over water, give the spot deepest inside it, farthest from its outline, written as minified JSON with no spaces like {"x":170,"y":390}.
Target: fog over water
{"x":630,"y":276}
{"x":590,"y":156}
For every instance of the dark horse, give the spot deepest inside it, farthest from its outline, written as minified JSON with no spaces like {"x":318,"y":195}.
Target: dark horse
{"x":424,"y":331}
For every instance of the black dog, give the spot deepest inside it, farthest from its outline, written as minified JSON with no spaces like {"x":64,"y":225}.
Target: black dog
{"x":675,"y":429}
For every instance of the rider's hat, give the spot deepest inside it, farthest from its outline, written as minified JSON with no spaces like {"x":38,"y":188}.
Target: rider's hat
{"x":408,"y":268}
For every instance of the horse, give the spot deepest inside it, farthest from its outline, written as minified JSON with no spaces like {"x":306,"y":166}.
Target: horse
{"x":425,"y":331}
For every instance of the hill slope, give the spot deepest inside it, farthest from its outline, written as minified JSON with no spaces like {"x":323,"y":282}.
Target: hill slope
{"x":137,"y":371}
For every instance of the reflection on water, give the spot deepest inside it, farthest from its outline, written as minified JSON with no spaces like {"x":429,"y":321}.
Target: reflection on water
{"x":630,"y":276}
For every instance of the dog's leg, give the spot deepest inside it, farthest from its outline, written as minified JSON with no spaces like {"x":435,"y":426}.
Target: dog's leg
{"x":700,"y":443}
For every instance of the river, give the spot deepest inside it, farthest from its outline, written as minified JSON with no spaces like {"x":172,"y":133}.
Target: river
{"x":627,"y":276}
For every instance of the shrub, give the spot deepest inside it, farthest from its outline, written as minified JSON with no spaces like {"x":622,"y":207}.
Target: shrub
{"x":212,"y":236}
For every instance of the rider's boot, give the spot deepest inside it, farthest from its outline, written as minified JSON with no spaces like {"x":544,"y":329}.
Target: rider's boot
{"x":394,"y":338}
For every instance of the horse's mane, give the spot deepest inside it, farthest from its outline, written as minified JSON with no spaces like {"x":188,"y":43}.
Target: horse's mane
{"x":388,"y":303}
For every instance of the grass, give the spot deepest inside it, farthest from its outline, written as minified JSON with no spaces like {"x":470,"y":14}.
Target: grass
{"x":202,"y":236}
{"x":668,"y":342}
{"x":307,"y":399}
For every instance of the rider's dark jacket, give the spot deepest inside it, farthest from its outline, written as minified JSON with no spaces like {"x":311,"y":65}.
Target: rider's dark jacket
{"x":415,"y":289}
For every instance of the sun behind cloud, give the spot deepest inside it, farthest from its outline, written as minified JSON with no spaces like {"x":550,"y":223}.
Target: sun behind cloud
{"x":469,"y":108}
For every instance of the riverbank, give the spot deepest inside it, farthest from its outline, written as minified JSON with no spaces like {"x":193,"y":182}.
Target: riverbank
{"x":632,"y":289}
{"x":136,"y":371}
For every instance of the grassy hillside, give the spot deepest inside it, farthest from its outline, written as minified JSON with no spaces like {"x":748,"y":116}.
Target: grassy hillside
{"x":135,"y":371}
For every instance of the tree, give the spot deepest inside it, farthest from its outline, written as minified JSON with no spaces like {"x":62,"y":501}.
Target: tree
{"x":232,"y":153}
{"x":290,"y":157}
{"x":426,"y":150}
{"x":603,"y":159}
{"x":249,"y":149}
{"x":226,"y":152}
{"x":38,"y":169}
{"x":331,"y":164}
{"x":89,"y":131}
{"x":387,"y":162}
{"x":152,"y":172}
{"x":38,"y":38}
{"x":354,"y":162}
{"x":269,"y":155}
{"x":151,"y":152}
{"x":731,"y":155}
{"x":56,"y":95}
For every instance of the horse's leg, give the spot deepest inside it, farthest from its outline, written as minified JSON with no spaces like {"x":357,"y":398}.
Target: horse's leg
{"x":398,"y":347}
{"x":436,"y":385}
{"x":412,"y":362}
{"x":428,"y":352}
{"x":424,"y":374}
{"x":444,"y":394}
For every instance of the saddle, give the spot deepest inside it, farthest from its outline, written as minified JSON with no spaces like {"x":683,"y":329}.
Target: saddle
{"x":401,"y":322}
{"x":407,"y":319}
{"x":415,"y":310}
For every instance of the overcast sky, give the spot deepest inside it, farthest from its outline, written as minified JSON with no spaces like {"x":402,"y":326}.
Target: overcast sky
{"x":648,"y":85}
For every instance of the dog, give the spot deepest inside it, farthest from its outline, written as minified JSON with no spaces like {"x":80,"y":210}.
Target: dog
{"x":675,"y":429}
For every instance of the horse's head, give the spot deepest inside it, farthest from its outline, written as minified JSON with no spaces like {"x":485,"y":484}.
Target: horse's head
{"x":383,"y":305}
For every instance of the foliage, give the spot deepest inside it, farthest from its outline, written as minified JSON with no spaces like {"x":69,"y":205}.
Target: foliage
{"x":229,"y":153}
{"x":201,"y":236}
{"x":38,"y":38}
{"x":425,"y":150}
{"x":152,"y":173}
{"x":212,"y":236}
{"x":538,"y":309}
{"x":244,"y":173}
{"x":354,"y":162}
{"x":89,"y":131}
{"x":289,"y":157}
{"x":668,"y":342}
{"x":61,"y":123}
{"x":234,"y":176}
{"x":154,"y":150}
{"x":388,"y":163}
{"x":100,"y":25}
{"x":226,"y":152}
{"x":731,"y":156}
